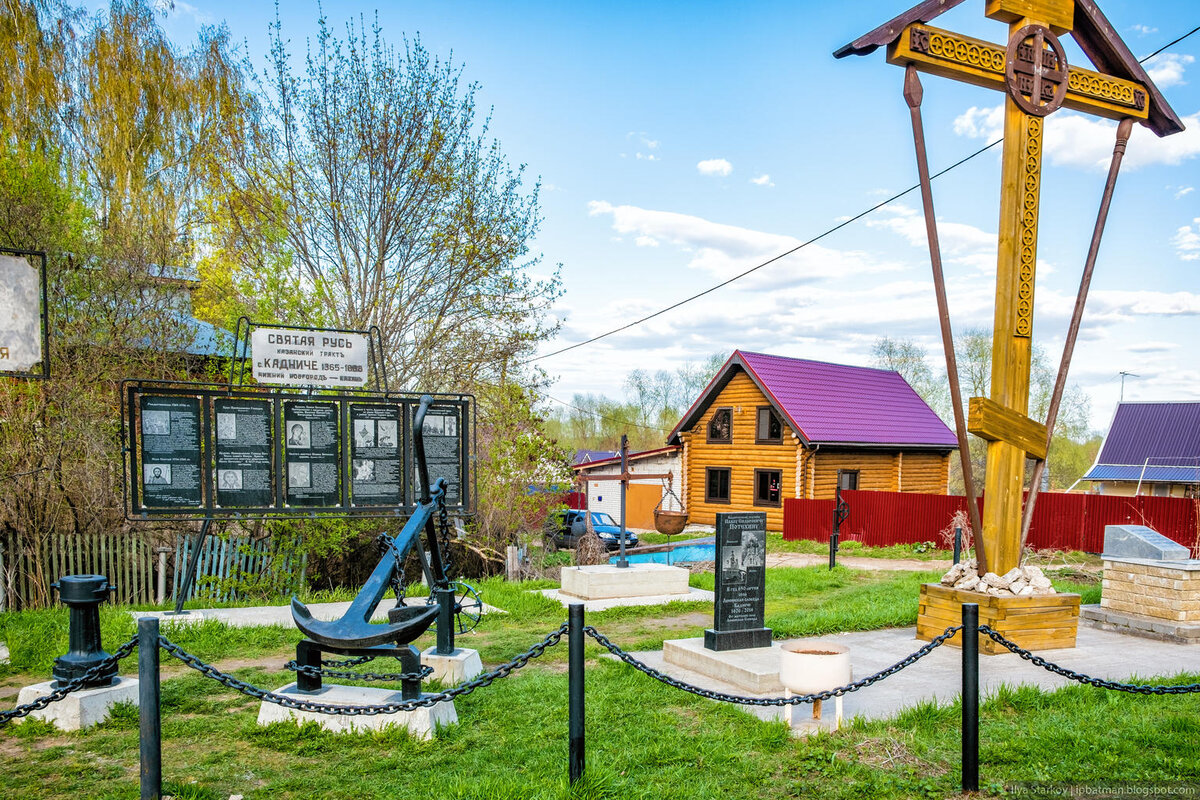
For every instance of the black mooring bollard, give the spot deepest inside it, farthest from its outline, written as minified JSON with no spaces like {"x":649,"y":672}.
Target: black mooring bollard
{"x":149,"y":714}
{"x":575,"y":689}
{"x":970,"y":697}
{"x":957,"y":544}
{"x":83,"y":594}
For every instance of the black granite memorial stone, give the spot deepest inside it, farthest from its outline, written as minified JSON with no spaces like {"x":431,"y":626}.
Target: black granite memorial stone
{"x":741,"y":583}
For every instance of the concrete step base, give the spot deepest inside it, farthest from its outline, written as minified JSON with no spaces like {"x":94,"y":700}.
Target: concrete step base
{"x":421,"y":722}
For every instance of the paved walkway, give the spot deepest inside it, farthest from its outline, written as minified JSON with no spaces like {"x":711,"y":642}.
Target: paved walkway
{"x":858,"y":562}
{"x":280,"y":615}
{"x":938,"y":676}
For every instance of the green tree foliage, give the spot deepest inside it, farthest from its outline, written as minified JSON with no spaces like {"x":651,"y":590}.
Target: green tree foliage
{"x":1073,"y":441}
{"x":394,"y":205}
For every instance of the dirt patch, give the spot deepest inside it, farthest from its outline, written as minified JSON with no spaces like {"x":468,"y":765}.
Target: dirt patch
{"x":857,"y":562}
{"x":887,"y":753}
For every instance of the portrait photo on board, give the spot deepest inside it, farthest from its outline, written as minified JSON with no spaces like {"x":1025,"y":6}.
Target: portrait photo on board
{"x":230,"y":479}
{"x":226,"y":426}
{"x":156,"y":474}
{"x":298,"y":435}
{"x":298,"y":475}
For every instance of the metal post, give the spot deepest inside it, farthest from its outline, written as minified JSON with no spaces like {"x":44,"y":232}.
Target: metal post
{"x":193,"y":564}
{"x":970,"y":697}
{"x":161,"y":597}
{"x":833,"y":548}
{"x":445,"y":621}
{"x":575,"y":690}
{"x":83,"y":595}
{"x":149,"y":712}
{"x":957,"y":544}
{"x":621,"y":562}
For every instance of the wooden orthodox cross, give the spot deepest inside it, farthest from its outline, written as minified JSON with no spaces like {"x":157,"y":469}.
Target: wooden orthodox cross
{"x":1033,"y":72}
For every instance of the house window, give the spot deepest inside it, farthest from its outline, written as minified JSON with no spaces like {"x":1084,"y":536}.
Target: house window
{"x":767,"y":483}
{"x":716,"y":484}
{"x":720,"y":428}
{"x":769,"y":429}
{"x":847,"y":479}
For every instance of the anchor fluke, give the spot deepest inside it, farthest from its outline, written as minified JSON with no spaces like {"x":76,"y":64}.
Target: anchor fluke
{"x":403,"y":626}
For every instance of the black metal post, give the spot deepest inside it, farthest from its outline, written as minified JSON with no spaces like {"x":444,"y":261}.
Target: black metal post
{"x":189,"y":577}
{"x":83,"y":594}
{"x":575,"y":690}
{"x":833,"y":548}
{"x":445,"y":621}
{"x":957,"y":544}
{"x":621,"y":562}
{"x":970,"y":697}
{"x":149,"y":713}
{"x":840,"y":512}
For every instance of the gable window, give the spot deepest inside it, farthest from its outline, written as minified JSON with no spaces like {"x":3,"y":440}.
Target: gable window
{"x":847,"y":479}
{"x":720,"y":427}
{"x":767,"y":483}
{"x":716,"y":484}
{"x":769,"y":428}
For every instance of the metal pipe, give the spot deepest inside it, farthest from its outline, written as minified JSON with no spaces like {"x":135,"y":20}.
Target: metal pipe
{"x":1124,"y":130}
{"x":957,"y":544}
{"x":149,"y":711}
{"x":970,"y":697}
{"x":621,"y":562}
{"x":575,"y":690}
{"x":912,"y":95}
{"x":189,"y":577}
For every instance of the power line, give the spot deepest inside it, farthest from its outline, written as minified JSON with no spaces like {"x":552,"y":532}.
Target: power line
{"x":802,"y":245}
{"x":598,"y":415}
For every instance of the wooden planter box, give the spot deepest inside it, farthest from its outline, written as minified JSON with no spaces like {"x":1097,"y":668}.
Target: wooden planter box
{"x":1035,"y":623}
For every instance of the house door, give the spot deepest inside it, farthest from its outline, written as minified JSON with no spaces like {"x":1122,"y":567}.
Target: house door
{"x":639,"y":505}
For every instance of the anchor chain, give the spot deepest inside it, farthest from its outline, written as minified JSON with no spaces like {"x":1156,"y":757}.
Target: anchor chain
{"x":444,"y":536}
{"x":321,"y":671}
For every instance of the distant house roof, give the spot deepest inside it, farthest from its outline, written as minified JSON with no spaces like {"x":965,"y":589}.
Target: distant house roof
{"x":616,"y":458}
{"x":588,"y":456}
{"x":1155,"y":442}
{"x":832,"y":403}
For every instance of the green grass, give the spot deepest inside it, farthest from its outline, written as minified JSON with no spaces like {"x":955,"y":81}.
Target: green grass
{"x":644,"y":740}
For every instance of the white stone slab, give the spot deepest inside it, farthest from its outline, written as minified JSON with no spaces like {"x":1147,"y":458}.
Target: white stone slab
{"x":699,"y":595}
{"x":253,"y":616}
{"x":421,"y":722}
{"x":755,"y":669}
{"x":461,"y":665}
{"x":605,"y":581}
{"x":81,"y":709}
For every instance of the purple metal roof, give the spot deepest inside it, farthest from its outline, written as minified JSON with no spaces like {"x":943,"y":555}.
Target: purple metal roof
{"x":1168,"y":434}
{"x":840,"y":403}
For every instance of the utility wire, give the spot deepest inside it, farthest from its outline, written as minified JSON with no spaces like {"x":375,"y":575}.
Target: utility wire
{"x":802,"y":245}
{"x":598,"y":415}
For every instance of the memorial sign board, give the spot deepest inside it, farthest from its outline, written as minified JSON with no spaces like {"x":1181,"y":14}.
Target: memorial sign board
{"x":376,"y":465}
{"x":22,"y":318}
{"x":741,"y":555}
{"x":445,"y":432}
{"x":170,"y":474}
{"x":311,"y":454}
{"x":309,"y":358}
{"x":244,"y":455}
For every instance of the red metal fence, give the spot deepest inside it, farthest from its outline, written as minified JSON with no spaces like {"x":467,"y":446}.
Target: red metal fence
{"x":1060,"y":521}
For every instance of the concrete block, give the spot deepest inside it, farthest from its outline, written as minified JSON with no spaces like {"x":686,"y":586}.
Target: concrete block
{"x":603,"y":581}
{"x":3,"y":653}
{"x":1141,"y":541}
{"x":421,"y":722}
{"x":81,"y":709}
{"x":754,"y":670}
{"x":461,"y":665}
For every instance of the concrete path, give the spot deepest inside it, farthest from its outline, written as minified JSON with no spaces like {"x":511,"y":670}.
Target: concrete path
{"x":858,"y":562}
{"x":938,"y":676}
{"x":279,"y":615}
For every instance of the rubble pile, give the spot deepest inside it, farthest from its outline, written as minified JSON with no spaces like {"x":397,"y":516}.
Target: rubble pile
{"x":1017,"y":582}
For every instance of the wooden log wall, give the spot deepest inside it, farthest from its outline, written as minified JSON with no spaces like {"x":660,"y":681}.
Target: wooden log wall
{"x":742,"y":456}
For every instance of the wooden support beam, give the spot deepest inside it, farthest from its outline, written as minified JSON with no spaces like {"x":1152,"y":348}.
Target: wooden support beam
{"x":627,"y":476}
{"x":1058,"y":14}
{"x":989,"y":420}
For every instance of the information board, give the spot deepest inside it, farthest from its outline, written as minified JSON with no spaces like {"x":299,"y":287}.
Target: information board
{"x":444,"y":432}
{"x":244,"y":453}
{"x":311,"y":454}
{"x":23,"y":330}
{"x":376,"y":467}
{"x":170,"y":464}
{"x":309,"y":358}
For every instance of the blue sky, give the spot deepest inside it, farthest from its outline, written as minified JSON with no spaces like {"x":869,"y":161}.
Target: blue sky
{"x":681,"y":143}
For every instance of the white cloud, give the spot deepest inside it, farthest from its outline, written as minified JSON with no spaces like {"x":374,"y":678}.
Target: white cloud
{"x":1184,"y":192}
{"x":1143,"y":30}
{"x":178,"y":8}
{"x":646,"y":241}
{"x":715,"y":166}
{"x":1121,"y":304}
{"x":959,"y":243}
{"x":763,"y":180}
{"x":647,"y":157}
{"x":1187,"y":241}
{"x":1167,"y":69}
{"x":1077,"y":140}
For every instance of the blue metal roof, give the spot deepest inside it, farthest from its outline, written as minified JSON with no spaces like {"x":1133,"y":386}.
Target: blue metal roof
{"x":1148,"y":474}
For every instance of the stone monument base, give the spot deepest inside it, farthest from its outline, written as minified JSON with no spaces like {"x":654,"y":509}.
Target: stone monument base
{"x":81,"y":709}
{"x":736,"y":640}
{"x":1162,"y":630}
{"x":753,"y":670}
{"x":605,"y":581}
{"x":1035,"y":623}
{"x":453,"y":669}
{"x":421,"y":722}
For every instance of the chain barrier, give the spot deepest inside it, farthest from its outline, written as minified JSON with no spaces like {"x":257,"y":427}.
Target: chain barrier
{"x":322,"y":672}
{"x":72,"y":686}
{"x":425,"y":701}
{"x":771,"y":701}
{"x":1116,"y":686}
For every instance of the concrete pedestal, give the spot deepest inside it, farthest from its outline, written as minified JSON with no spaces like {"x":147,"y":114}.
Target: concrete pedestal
{"x":603,"y":581}
{"x":421,"y":722}
{"x":81,"y":709}
{"x":461,"y":665}
{"x":754,"y":670}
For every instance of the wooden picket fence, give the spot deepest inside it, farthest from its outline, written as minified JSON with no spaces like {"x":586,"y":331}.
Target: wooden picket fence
{"x":223,"y":558}
{"x":27,"y":570}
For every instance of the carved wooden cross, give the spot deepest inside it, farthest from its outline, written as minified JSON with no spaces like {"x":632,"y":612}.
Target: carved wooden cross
{"x":1033,"y":72}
